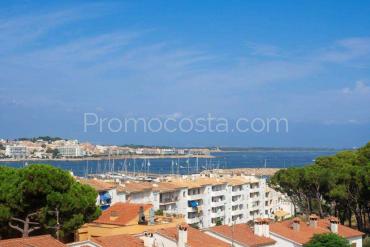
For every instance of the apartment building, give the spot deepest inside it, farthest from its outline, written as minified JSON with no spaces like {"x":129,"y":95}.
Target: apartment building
{"x":16,"y":151}
{"x":206,"y":202}
{"x":107,"y":192}
{"x":70,"y":151}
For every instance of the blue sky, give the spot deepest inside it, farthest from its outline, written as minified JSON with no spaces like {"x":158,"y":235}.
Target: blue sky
{"x":306,"y":61}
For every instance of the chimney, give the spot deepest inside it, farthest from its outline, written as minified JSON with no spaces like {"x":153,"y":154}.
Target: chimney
{"x":258,"y":227}
{"x":149,"y":239}
{"x":142,"y":219}
{"x":313,"y":220}
{"x":334,"y":222}
{"x":182,"y":235}
{"x":296,"y":224}
{"x":266,"y":228}
{"x":113,"y":215}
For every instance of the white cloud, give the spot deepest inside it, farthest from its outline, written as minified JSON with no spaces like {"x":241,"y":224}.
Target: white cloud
{"x":122,"y":68}
{"x":347,"y":49}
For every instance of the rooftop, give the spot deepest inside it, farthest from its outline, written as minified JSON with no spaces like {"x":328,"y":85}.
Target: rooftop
{"x":305,"y":232}
{"x":242,"y":234}
{"x":121,"y":213}
{"x":98,"y":185}
{"x":134,"y":187}
{"x":123,"y":240}
{"x":38,"y":241}
{"x":196,"y":238}
{"x":173,"y":184}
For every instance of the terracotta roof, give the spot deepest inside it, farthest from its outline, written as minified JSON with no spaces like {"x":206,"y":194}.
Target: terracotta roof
{"x":243,"y":234}
{"x":97,"y":184}
{"x":121,"y":213}
{"x":196,"y":238}
{"x":134,"y":187}
{"x":166,"y":187}
{"x":123,"y":240}
{"x":237,"y":181}
{"x":38,"y":241}
{"x":198,"y":182}
{"x":305,"y":232}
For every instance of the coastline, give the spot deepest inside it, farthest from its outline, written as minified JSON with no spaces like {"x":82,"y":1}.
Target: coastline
{"x":114,"y":158}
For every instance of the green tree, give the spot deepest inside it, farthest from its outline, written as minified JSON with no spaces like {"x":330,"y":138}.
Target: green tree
{"x":29,"y":195}
{"x":327,"y":240}
{"x":290,"y":182}
{"x":366,"y":242}
{"x":218,"y":221}
{"x":338,"y":185}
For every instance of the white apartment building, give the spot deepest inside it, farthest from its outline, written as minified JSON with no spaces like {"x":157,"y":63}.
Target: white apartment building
{"x":70,"y":151}
{"x":206,"y":202}
{"x":16,"y":151}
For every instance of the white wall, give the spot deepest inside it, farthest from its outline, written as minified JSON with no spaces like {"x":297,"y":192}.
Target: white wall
{"x":181,"y":206}
{"x":159,"y":240}
{"x":356,"y":240}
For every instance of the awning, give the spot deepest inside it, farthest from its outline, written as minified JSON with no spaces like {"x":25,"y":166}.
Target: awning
{"x":193,"y":204}
{"x":105,"y":197}
{"x":104,"y":207}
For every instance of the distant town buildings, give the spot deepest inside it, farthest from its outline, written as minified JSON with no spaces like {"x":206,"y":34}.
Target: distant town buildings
{"x":57,"y":148}
{"x":70,"y":151}
{"x":16,"y":151}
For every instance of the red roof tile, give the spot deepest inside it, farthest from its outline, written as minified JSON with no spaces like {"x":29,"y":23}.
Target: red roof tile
{"x":121,"y":213}
{"x":242,"y":234}
{"x":305,"y":232}
{"x":123,"y":240}
{"x":97,"y":184}
{"x":196,"y":238}
{"x":38,"y":241}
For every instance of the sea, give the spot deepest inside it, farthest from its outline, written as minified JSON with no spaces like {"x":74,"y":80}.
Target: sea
{"x":224,"y":160}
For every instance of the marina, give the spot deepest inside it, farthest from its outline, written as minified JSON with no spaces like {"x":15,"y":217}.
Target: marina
{"x":183,"y":166}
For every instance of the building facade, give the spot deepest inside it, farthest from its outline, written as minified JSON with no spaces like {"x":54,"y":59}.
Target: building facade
{"x":206,"y":202}
{"x":16,"y":151}
{"x":70,"y":151}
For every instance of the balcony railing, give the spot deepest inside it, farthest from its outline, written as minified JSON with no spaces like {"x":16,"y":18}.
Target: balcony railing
{"x":168,"y":200}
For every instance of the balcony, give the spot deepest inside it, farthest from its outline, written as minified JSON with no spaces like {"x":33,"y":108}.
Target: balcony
{"x":194,"y":220}
{"x":194,"y":209}
{"x":254,"y":206}
{"x":218,"y":214}
{"x":237,"y":211}
{"x":236,"y":199}
{"x":236,"y":193}
{"x":218,"y":203}
{"x":168,"y":200}
{"x":195,"y":197}
{"x":218,"y":193}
